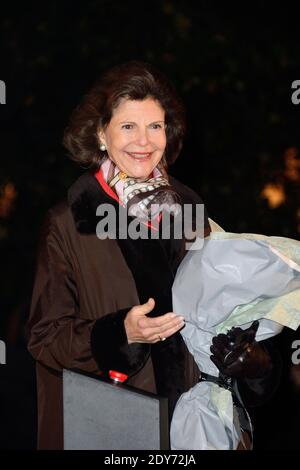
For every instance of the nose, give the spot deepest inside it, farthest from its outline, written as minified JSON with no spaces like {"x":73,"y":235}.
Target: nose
{"x":142,"y":137}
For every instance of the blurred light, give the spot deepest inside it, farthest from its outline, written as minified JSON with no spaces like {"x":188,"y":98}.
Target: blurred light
{"x":292,"y":164}
{"x":274,"y":193}
{"x":8,"y":195}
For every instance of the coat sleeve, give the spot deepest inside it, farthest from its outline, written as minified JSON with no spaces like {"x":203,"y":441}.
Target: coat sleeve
{"x":57,"y":336}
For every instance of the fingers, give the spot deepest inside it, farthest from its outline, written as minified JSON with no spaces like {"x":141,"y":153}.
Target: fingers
{"x":231,"y":367}
{"x":157,"y":334}
{"x":225,"y":358}
{"x":217,"y":353}
{"x":236,"y":368}
{"x":218,"y":363}
{"x":220,"y":346}
{"x":239,"y":336}
{"x":235,"y":354}
{"x":235,"y":335}
{"x":221,"y":342}
{"x":170,"y":329}
{"x":224,"y":351}
{"x":161,"y":322}
{"x":143,"y":329}
{"x":143,"y":309}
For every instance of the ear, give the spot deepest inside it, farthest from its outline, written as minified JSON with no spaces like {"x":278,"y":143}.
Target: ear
{"x":101,"y":137}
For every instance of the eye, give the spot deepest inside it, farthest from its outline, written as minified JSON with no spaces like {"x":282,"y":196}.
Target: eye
{"x":156,"y":126}
{"x":127,"y":126}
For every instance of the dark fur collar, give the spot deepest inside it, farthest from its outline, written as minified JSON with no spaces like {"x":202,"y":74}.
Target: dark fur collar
{"x":86,"y":194}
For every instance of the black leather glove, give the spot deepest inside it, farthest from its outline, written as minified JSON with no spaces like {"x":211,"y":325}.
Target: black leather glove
{"x":238,"y":355}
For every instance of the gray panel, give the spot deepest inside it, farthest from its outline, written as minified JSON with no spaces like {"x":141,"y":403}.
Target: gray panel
{"x":101,"y":415}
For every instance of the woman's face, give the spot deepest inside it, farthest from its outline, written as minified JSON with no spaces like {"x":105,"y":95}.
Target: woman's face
{"x":135,"y":137}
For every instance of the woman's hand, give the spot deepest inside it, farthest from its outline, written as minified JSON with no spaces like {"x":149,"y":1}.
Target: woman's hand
{"x":238,"y":355}
{"x":142,"y":329}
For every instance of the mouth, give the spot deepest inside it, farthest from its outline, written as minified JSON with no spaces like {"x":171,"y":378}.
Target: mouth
{"x":140,"y":156}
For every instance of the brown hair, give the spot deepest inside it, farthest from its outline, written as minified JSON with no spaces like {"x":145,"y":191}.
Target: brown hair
{"x":134,"y":81}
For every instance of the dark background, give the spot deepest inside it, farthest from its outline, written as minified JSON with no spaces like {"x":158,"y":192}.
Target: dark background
{"x":232,"y":63}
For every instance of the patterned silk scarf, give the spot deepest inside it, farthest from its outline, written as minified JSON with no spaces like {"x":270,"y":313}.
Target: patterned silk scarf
{"x":142,"y":197}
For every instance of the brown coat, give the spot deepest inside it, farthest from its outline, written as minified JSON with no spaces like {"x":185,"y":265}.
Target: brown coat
{"x":83,"y":289}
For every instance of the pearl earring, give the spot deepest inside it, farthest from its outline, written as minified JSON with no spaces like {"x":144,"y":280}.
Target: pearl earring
{"x":102,"y":147}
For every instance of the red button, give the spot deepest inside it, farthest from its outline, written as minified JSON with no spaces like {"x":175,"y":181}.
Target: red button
{"x":117,"y":376}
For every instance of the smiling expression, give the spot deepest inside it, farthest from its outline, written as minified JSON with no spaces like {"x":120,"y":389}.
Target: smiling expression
{"x":135,"y":137}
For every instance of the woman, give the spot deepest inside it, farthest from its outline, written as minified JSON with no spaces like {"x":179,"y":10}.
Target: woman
{"x":103,"y":303}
